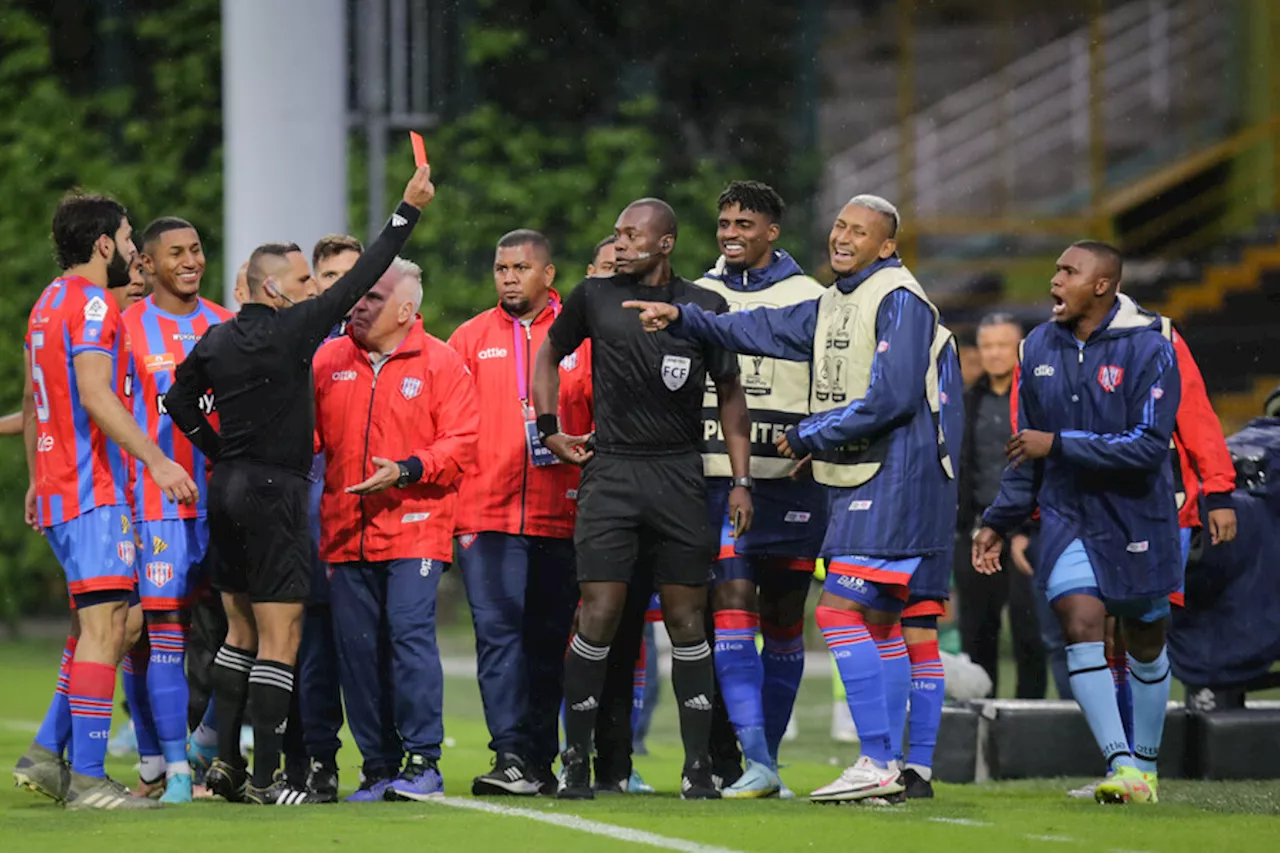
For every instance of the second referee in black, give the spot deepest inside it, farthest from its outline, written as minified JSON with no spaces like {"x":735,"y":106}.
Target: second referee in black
{"x":257,"y":367}
{"x":642,"y":499}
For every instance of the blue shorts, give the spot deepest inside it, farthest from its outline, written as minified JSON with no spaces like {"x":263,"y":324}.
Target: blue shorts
{"x":790,"y":520}
{"x":96,"y":551}
{"x":1073,"y":574}
{"x":172,"y":556}
{"x":875,"y":582}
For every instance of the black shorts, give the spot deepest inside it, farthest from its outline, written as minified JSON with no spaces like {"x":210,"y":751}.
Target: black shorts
{"x":650,"y":511}
{"x":260,"y":536}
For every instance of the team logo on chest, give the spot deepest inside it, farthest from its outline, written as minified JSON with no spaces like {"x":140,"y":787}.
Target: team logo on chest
{"x":1109,"y":377}
{"x":675,"y":371}
{"x":410,"y":387}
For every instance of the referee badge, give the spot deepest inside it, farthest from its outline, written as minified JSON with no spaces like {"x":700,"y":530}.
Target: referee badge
{"x":410,"y":387}
{"x":675,"y":371}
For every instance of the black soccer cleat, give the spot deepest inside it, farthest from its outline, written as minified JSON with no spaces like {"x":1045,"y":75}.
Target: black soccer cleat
{"x":918,"y":787}
{"x":575,"y":783}
{"x":322,"y":782}
{"x":227,"y":781}
{"x":279,"y":793}
{"x":543,"y":778}
{"x":508,"y":778}
{"x":698,"y":783}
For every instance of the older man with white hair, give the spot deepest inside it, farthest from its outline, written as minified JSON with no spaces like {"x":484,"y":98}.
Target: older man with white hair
{"x":393,"y":462}
{"x":875,"y":442}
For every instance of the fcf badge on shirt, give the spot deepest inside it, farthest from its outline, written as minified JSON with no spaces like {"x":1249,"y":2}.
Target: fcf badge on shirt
{"x":675,"y":371}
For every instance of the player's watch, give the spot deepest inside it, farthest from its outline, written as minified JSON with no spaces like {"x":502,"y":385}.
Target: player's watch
{"x":404,"y":475}
{"x":745,"y":482}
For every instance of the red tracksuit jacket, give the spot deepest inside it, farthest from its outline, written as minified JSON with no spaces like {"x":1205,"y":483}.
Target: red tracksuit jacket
{"x":421,"y":403}
{"x":507,"y":493}
{"x":1203,"y":458}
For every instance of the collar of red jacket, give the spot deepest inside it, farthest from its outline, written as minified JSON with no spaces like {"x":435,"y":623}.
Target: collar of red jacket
{"x":553,"y":302}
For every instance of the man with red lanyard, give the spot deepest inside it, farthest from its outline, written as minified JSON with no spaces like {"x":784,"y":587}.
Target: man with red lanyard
{"x":515,"y":519}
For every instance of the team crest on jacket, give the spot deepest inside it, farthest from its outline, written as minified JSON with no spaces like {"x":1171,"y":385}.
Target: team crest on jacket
{"x":410,"y":387}
{"x":1110,"y":376}
{"x":675,"y":371}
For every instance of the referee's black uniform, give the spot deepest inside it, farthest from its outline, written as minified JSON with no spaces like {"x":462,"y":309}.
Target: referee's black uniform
{"x":258,"y":366}
{"x":643,"y":495}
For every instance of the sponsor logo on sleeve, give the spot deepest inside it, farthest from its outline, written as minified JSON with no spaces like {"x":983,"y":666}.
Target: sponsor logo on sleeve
{"x":414,"y":517}
{"x":95,"y":310}
{"x":796,"y":517}
{"x":859,"y":506}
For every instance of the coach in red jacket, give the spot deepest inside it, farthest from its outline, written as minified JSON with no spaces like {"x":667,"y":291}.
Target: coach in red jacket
{"x":515,"y":519}
{"x":397,"y":419}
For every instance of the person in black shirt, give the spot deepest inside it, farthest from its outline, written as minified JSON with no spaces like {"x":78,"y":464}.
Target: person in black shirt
{"x":258,"y":368}
{"x":643,"y":497}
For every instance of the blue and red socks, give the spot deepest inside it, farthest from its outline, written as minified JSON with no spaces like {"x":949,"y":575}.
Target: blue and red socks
{"x":55,"y":730}
{"x":639,"y":680}
{"x":135,"y":670}
{"x":1150,"y":685}
{"x":896,"y":665}
{"x":927,"y":693}
{"x":741,"y":677}
{"x":1091,"y":683}
{"x":862,"y":673}
{"x":1124,"y":695}
{"x":167,"y":690}
{"x":91,"y":687}
{"x":782,"y":660}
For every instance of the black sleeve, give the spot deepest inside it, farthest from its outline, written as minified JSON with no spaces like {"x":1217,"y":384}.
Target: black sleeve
{"x":570,"y":329}
{"x":722,"y":364}
{"x":182,"y":401}
{"x":309,"y":322}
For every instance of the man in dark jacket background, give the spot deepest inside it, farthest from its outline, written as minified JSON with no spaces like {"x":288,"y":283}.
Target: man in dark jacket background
{"x":983,"y":597}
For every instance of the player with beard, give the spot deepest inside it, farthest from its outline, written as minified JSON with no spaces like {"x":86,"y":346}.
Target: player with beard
{"x":78,"y":432}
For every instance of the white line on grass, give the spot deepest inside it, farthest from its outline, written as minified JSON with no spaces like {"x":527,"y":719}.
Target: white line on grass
{"x":20,"y":726}
{"x":592,"y":827}
{"x":959,"y":821}
{"x":1066,"y":839}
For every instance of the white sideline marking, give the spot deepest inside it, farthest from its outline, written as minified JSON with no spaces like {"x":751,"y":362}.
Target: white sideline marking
{"x":1062,"y":838}
{"x":959,"y":821}
{"x":592,"y":827}
{"x":20,"y":726}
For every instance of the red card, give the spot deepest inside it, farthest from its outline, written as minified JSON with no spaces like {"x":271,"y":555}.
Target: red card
{"x":419,"y":149}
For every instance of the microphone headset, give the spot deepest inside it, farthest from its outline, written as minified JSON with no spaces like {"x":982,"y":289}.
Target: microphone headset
{"x":270,"y":287}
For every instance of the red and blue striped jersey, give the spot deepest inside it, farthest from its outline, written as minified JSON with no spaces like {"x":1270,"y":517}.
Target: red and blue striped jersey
{"x":158,"y":342}
{"x":78,"y":468}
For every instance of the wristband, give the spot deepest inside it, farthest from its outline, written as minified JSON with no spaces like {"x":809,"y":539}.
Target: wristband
{"x":547,"y":425}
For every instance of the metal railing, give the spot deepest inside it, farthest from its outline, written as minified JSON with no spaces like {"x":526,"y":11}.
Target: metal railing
{"x":1052,"y":131}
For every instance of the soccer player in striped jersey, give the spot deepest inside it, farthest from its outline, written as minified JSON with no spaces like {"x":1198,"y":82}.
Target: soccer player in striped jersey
{"x":162,"y":329}
{"x":54,"y":734}
{"x":77,"y":438}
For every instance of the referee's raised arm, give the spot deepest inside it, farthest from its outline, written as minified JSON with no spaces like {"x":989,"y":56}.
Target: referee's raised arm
{"x":313,"y":319}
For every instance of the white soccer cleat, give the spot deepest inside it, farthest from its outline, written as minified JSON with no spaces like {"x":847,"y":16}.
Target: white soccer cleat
{"x":842,"y":728}
{"x":859,"y":781}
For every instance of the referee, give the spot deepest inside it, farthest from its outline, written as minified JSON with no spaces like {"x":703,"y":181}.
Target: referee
{"x":258,"y":369}
{"x":642,"y":499}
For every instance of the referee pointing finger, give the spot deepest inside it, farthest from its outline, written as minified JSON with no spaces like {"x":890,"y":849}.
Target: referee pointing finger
{"x":257,"y":367}
{"x":642,"y":499}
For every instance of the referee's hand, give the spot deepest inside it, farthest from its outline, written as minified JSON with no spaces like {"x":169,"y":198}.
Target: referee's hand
{"x":654,"y":316}
{"x":569,"y":448}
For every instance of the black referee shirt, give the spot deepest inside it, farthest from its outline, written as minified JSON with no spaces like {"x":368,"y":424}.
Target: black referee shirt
{"x":648,"y":386}
{"x":258,"y":366}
